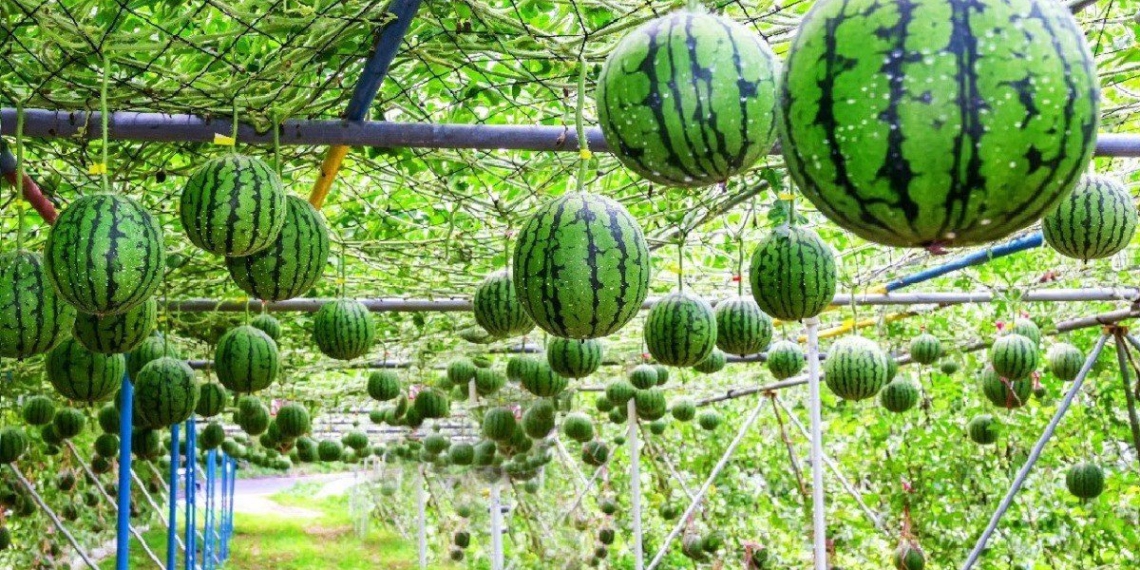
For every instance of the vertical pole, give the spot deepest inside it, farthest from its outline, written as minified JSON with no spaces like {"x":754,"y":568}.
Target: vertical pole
{"x":172,"y":517}
{"x":819,"y":509}
{"x":233,"y":489}
{"x":472,"y":393}
{"x":635,"y":484}
{"x":191,"y":495}
{"x":422,"y":518}
{"x":222,"y":509}
{"x":123,"y":526}
{"x":209,"y":555}
{"x":496,"y":527}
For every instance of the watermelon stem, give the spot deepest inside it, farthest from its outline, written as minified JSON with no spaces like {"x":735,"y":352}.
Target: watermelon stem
{"x":103,"y":116}
{"x":580,"y":124}
{"x":681,"y":262}
{"x":234,"y":128}
{"x":19,"y":174}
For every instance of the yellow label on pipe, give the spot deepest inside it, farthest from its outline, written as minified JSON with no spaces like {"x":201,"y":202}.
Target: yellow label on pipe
{"x":585,"y":154}
{"x":787,"y":196}
{"x":224,"y":140}
{"x":97,"y":168}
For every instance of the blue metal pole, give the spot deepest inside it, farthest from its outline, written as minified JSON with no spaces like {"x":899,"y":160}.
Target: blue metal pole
{"x":977,"y":258}
{"x":191,"y":492}
{"x":172,"y":528}
{"x":211,"y":474}
{"x":123,"y":526}
{"x":233,"y":489}
{"x":222,"y":511}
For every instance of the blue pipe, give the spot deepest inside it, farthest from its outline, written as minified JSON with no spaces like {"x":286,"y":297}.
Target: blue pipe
{"x":172,"y":528}
{"x":123,"y":524}
{"x":977,"y":258}
{"x":211,"y":556}
{"x":222,"y":510}
{"x":191,"y":494}
{"x":233,"y":489}
{"x":390,"y":38}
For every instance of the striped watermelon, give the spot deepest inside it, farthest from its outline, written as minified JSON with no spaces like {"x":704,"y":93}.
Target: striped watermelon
{"x":680,"y":330}
{"x":1085,"y":480}
{"x":519,"y":367}
{"x":268,"y":325}
{"x":1096,"y":221}
{"x":114,"y":334}
{"x":432,"y":404}
{"x":793,"y":274}
{"x":713,"y":363}
{"x":383,"y":385}
{"x":903,"y":123}
{"x":581,"y":266}
{"x":68,"y":423}
{"x":499,"y":424}
{"x":1005,"y":393}
{"x":1065,"y":361}
{"x":949,"y":367}
{"x":925,"y":349}
{"x":233,"y":205}
{"x":246,"y":360}
{"x":689,"y":99}
{"x":497,"y":308}
{"x":741,"y":327}
{"x":212,"y":436}
{"x":538,"y":420}
{"x":785,"y":359}
{"x":543,"y":381}
{"x":293,"y":264}
{"x":643,"y":376}
{"x":618,"y":392}
{"x":709,"y":420}
{"x":578,"y":427}
{"x":329,"y":451}
{"x":1013,"y":356}
{"x":211,"y":400}
{"x":33,"y":318}
{"x":252,"y":416}
{"x":84,"y":376}
{"x":683,"y":410}
{"x":650,"y":404}
{"x":293,"y":421}
{"x":38,"y":411}
{"x":595,"y":453}
{"x":572,"y":358}
{"x":461,"y":371}
{"x":13,"y":444}
{"x":856,"y":368}
{"x":899,"y":395}
{"x":908,"y":556}
{"x":104,"y":254}
{"x":1026,"y":328}
{"x":343,"y":329}
{"x":662,"y":374}
{"x":166,"y":392}
{"x":151,"y":348}
{"x":488,"y":381}
{"x":983,"y":430}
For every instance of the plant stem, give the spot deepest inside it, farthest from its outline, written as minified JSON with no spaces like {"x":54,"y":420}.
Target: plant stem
{"x":103,"y":116}
{"x":580,"y":124}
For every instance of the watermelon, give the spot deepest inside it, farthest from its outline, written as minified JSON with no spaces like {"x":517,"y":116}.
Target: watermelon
{"x":84,"y":376}
{"x":785,"y":359}
{"x":538,"y":420}
{"x":104,"y":254}
{"x":151,"y":348}
{"x":114,"y":334}
{"x":268,"y":325}
{"x":107,"y":445}
{"x":581,"y":266}
{"x":683,"y":410}
{"x":642,"y":377}
{"x":1065,"y":361}
{"x":578,"y":427}
{"x":714,"y":363}
{"x":246,"y":360}
{"x":709,"y":420}
{"x":252,"y":416}
{"x":48,"y":435}
{"x":293,"y":264}
{"x":908,"y":556}
{"x":476,"y":334}
{"x":1085,"y":480}
{"x":519,"y":367}
{"x":650,"y":404}
{"x":108,"y":417}
{"x":573,"y":358}
{"x":595,"y":453}
{"x":680,"y":330}
{"x":662,"y":374}
{"x":461,"y":454}
{"x":949,"y":367}
{"x":856,"y":368}
{"x":211,"y":400}
{"x":166,"y":392}
{"x":741,"y":327}
{"x":1003,"y":392}
{"x":146,"y":444}
{"x":1014,"y":356}
{"x":1096,"y":221}
{"x":899,"y":395}
{"x":293,"y":421}
{"x":1026,"y":328}
{"x":937,"y":137}
{"x":68,"y":423}
{"x":357,"y":440}
{"x":461,"y":371}
{"x":233,"y":205}
{"x":38,"y":410}
{"x":328,"y":450}
{"x":499,"y":424}
{"x":343,"y":329}
{"x":925,"y":349}
{"x":432,"y":404}
{"x":543,"y":381}
{"x":488,"y":381}
{"x":604,"y":405}
{"x":383,"y":385}
{"x":13,"y":444}
{"x":793,"y":274}
{"x":689,"y":99}
{"x":435,"y":444}
{"x":33,"y":318}
{"x":212,"y":436}
{"x":497,"y":308}
{"x":892,"y":367}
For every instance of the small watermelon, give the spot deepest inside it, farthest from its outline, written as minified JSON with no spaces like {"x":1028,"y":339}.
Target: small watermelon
{"x":709,"y":420}
{"x":166,"y":392}
{"x":38,"y":411}
{"x":856,"y":368}
{"x":741,"y":327}
{"x":212,"y":436}
{"x":908,"y":556}
{"x":1085,"y":480}
{"x":949,"y":367}
{"x":432,"y":404}
{"x":785,"y":359}
{"x":680,"y":330}
{"x":211,"y":400}
{"x":461,"y":371}
{"x":578,"y":427}
{"x":538,"y":420}
{"x":246,"y":360}
{"x":151,"y":348}
{"x":293,"y":421}
{"x":383,"y":385}
{"x":1096,"y":221}
{"x":643,"y":377}
{"x":1065,"y":361}
{"x":595,"y":453}
{"x":233,"y":205}
{"x":329,"y":451}
{"x":619,"y":392}
{"x":13,"y":444}
{"x":461,"y":454}
{"x":543,"y":381}
{"x":33,"y":317}
{"x":1026,"y":328}
{"x":983,"y":429}
{"x":343,"y":329}
{"x":683,"y":410}
{"x":497,"y":308}
{"x":68,"y":423}
{"x":793,"y":274}
{"x":662,"y":374}
{"x":650,"y":404}
{"x":715,"y":362}
{"x":488,"y":381}
{"x":499,"y":424}
{"x":114,"y":334}
{"x":1003,"y":392}
{"x":925,"y":349}
{"x":268,"y":325}
{"x":572,"y":358}
{"x":84,"y":376}
{"x":1013,"y":356}
{"x":899,"y":395}
{"x":519,"y":367}
{"x":293,"y":263}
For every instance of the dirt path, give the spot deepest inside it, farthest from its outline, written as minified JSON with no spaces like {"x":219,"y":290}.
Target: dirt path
{"x":252,"y":495}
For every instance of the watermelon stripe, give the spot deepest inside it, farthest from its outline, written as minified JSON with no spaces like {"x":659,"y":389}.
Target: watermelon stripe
{"x":33,"y":318}
{"x":293,"y":264}
{"x":680,"y":330}
{"x":793,"y":274}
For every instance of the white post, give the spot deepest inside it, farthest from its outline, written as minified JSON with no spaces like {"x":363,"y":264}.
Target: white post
{"x":421,"y":500}
{"x":496,"y":528}
{"x":635,"y":485}
{"x":472,"y":393}
{"x":819,"y":509}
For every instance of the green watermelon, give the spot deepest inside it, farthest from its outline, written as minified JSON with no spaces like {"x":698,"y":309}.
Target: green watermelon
{"x":689,"y":99}
{"x":1003,"y":392}
{"x":925,"y":349}
{"x":328,"y":451}
{"x":680,"y":330}
{"x":793,"y":274}
{"x":84,"y":376}
{"x":578,"y":427}
{"x":38,"y":410}
{"x":211,"y":400}
{"x":212,"y":436}
{"x":357,"y":440}
{"x":499,"y":424}
{"x":108,"y":417}
{"x":538,"y":420}
{"x":949,"y":367}
{"x":432,"y":404}
{"x":519,"y":367}
{"x":899,"y":395}
{"x":856,"y":368}
{"x":107,"y":445}
{"x":68,"y":423}
{"x":572,"y":358}
{"x":146,"y":444}
{"x":1013,"y":356}
{"x":595,"y":453}
{"x":461,"y":454}
{"x":642,"y":377}
{"x":936,"y":137}
{"x":709,"y":420}
{"x":1085,"y":480}
{"x":497,"y":308}
{"x":383,"y":385}
{"x":151,"y":348}
{"x":461,"y":371}
{"x":13,"y":444}
{"x":233,"y":205}
{"x":488,"y":381}
{"x":581,"y":266}
{"x":662,"y":374}
{"x":650,"y":404}
{"x":1096,"y":221}
{"x":435,"y":444}
{"x":343,"y":329}
{"x":252,"y":416}
{"x":104,"y":254}
{"x":246,"y":360}
{"x":1065,"y":361}
{"x":684,"y":410}
{"x":33,"y":318}
{"x":268,"y":325}
{"x":543,"y":381}
{"x":908,"y":556}
{"x":714,"y":363}
{"x":166,"y":392}
{"x":293,"y":421}
{"x":114,"y":334}
{"x":785,"y":359}
{"x":604,"y":405}
{"x":1026,"y":328}
{"x":293,"y":264}
{"x":741,"y":327}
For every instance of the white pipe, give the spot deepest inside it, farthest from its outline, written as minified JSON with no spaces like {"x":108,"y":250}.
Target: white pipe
{"x":496,"y":528}
{"x":635,"y":484}
{"x":51,"y":515}
{"x":421,"y":500}
{"x":472,"y":393}
{"x":818,"y":507}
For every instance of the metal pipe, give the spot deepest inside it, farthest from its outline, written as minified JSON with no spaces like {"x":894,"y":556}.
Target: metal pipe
{"x":123,"y":522}
{"x":191,"y":494}
{"x":976,"y":258}
{"x":51,"y":515}
{"x":1122,"y":357}
{"x":28,"y":187}
{"x":172,"y":514}
{"x":421,"y":518}
{"x":635,"y":484}
{"x":818,"y":508}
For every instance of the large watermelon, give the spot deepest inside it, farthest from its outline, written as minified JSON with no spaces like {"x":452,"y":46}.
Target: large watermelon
{"x":84,"y":376}
{"x":246,"y":360}
{"x":497,"y":308}
{"x":104,"y":254}
{"x":581,"y":266}
{"x":689,"y":99}
{"x":1065,"y":360}
{"x":786,"y":359}
{"x":33,"y":318}
{"x":1013,"y":356}
{"x":573,"y":358}
{"x":166,"y":392}
{"x":343,"y":329}
{"x":1096,"y":221}
{"x":856,"y":368}
{"x":793,"y":274}
{"x":936,"y":122}
{"x":233,"y":205}
{"x":114,"y":334}
{"x":741,"y":327}
{"x":293,"y":263}
{"x":680,"y":330}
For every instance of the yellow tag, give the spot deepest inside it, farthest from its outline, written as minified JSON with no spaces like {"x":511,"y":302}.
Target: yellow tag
{"x":712,"y":490}
{"x":97,"y":168}
{"x":20,"y":205}
{"x":880,"y":290}
{"x":585,"y":154}
{"x":224,"y":140}
{"x":787,"y":196}
{"x":338,"y":281}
